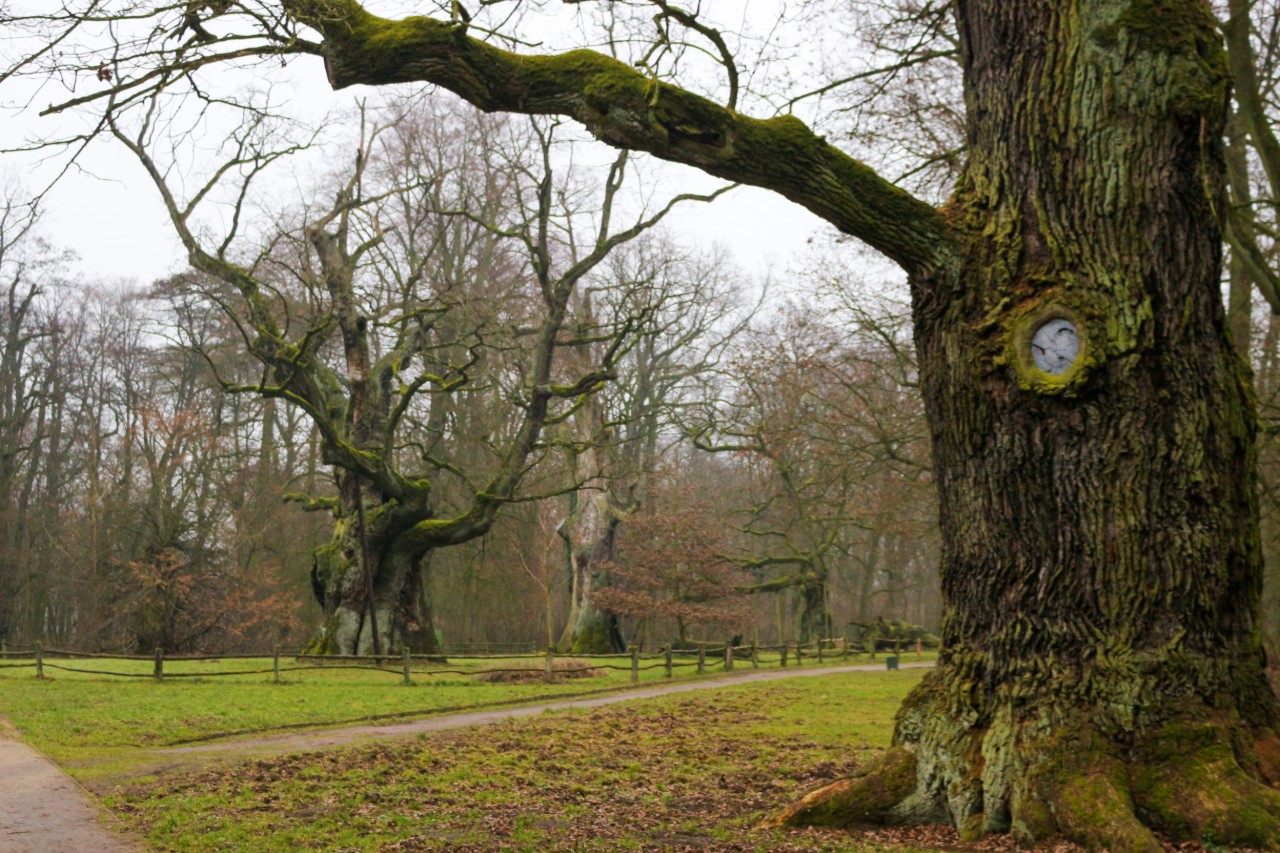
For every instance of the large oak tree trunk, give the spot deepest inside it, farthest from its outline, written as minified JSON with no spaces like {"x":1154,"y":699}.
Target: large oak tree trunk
{"x":1102,"y":672}
{"x":815,"y":618}
{"x":398,"y":575}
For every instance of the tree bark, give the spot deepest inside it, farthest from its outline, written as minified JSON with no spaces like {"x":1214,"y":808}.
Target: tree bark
{"x":589,"y":534}
{"x":591,"y":528}
{"x":401,"y":598}
{"x":1241,"y":283}
{"x":867,"y":580}
{"x":401,"y":586}
{"x":814,"y":616}
{"x":1102,"y":671}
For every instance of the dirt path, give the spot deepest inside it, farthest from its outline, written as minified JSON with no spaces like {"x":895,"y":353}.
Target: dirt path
{"x":43,"y":810}
{"x":325,"y":738}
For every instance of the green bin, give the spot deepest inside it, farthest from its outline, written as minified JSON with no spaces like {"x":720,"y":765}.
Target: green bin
{"x":891,"y":662}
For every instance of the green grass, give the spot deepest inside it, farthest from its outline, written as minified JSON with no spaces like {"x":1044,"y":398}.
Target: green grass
{"x":101,"y":728}
{"x":689,"y":771}
{"x":692,"y":771}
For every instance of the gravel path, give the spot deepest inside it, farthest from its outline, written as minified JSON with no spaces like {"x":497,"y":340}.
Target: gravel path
{"x":42,"y":810}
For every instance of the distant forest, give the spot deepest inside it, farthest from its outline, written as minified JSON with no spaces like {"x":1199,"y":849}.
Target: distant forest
{"x":202,"y":464}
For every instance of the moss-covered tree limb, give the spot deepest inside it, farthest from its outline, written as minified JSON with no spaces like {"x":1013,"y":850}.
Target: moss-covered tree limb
{"x":627,"y":109}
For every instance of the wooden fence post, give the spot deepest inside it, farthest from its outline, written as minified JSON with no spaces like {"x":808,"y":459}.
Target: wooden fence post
{"x":551,"y":663}
{"x":667,"y":656}
{"x":799,"y":654}
{"x":820,"y":658}
{"x":702,"y":660}
{"x":406,"y":666}
{"x":755,"y":656}
{"x":39,"y":660}
{"x":635,"y":662}
{"x":785,"y":646}
{"x":275,"y":664}
{"x":728,"y":657}
{"x":159,"y":671}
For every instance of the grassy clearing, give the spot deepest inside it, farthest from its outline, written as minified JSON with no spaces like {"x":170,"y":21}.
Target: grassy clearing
{"x":683,"y":772}
{"x":100,"y":728}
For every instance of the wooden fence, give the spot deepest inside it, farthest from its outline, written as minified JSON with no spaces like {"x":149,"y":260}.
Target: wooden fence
{"x":703,"y":658}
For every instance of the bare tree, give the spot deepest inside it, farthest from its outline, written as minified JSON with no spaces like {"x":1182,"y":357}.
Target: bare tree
{"x":686,"y":314}
{"x":392,"y":316}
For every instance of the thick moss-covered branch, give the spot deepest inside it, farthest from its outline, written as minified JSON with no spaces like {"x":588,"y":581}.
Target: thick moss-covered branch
{"x":627,"y":109}
{"x":310,"y":504}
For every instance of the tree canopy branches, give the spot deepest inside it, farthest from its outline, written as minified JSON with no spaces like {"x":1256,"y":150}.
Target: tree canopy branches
{"x":627,"y":109}
{"x":146,"y":48}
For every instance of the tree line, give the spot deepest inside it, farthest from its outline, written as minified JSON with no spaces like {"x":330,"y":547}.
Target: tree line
{"x":205,"y":462}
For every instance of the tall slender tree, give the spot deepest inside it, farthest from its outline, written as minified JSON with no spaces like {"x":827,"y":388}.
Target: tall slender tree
{"x":684,"y":307}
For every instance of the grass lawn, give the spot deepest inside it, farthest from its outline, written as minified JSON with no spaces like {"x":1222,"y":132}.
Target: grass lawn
{"x":99,"y":727}
{"x":691,"y":771}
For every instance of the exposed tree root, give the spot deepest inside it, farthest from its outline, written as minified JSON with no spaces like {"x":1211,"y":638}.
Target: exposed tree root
{"x":1185,"y":780}
{"x":1086,"y":801}
{"x":869,"y":798}
{"x":1266,"y":746}
{"x":1189,"y":782}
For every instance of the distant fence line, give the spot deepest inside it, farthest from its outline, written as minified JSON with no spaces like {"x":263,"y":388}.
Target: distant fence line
{"x":704,"y":656}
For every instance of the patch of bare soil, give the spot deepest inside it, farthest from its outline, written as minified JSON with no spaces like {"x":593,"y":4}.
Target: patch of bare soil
{"x":562,"y":669}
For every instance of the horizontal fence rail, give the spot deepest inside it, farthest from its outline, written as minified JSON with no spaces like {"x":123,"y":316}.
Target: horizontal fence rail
{"x":705,"y":657}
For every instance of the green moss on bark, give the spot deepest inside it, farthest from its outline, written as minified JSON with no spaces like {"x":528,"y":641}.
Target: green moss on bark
{"x":1168,"y":26}
{"x":867,"y":799}
{"x":1188,"y":783}
{"x":1025,"y":322}
{"x":592,"y":636}
{"x":1091,"y":802}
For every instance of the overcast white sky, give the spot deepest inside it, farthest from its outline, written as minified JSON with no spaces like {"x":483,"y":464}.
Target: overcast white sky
{"x":109,"y":214}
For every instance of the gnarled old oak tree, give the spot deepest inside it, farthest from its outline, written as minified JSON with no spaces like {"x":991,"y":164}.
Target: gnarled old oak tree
{"x":1092,"y":429}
